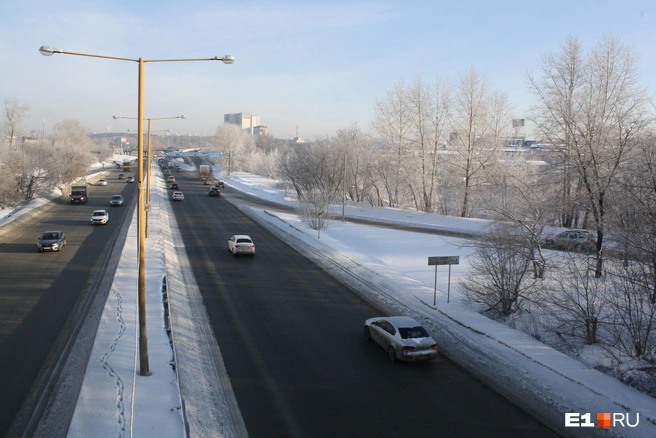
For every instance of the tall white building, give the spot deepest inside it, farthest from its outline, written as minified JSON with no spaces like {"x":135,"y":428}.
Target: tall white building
{"x":246,"y":121}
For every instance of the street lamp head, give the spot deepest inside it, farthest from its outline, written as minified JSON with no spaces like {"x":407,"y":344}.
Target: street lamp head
{"x":182,"y":117}
{"x":227,"y":59}
{"x":49,"y":51}
{"x":116,"y":117}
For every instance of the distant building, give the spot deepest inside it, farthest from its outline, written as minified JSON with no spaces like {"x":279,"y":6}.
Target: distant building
{"x":245,"y":121}
{"x":260,"y":130}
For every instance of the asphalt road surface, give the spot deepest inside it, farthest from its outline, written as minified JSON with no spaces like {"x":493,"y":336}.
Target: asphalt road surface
{"x":292,"y":342}
{"x":43,"y":295}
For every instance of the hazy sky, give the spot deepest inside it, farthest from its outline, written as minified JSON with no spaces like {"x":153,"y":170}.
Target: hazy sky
{"x":318,"y":65}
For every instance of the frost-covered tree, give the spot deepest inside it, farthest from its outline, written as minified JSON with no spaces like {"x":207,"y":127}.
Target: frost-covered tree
{"x":236,"y":146}
{"x":478,"y":119}
{"x":14,"y":113}
{"x":595,"y":107}
{"x":500,"y":280}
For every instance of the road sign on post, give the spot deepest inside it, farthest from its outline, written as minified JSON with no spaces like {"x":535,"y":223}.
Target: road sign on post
{"x":443,"y":260}
{"x":446,"y":260}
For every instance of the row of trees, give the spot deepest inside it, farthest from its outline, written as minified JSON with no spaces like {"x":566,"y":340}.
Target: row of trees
{"x":35,"y":167}
{"x":440,"y":147}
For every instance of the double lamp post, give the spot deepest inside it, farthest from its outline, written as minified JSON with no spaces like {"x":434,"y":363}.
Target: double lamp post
{"x":144,"y":368}
{"x":149,"y":157}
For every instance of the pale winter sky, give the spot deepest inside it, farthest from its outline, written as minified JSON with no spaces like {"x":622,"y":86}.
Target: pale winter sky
{"x":318,"y":65}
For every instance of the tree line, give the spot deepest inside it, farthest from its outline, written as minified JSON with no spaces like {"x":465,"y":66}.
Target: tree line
{"x":36,"y":166}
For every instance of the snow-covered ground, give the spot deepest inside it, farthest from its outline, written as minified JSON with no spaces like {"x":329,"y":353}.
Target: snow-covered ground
{"x":115,"y":400}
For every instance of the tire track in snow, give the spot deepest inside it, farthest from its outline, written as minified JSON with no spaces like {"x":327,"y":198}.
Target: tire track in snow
{"x":120,"y":408}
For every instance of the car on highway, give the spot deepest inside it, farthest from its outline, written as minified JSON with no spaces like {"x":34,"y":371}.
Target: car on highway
{"x":207,"y":182}
{"x":102,"y":182}
{"x":117,"y":200}
{"x":571,"y":240}
{"x":99,"y":217}
{"x":51,"y":241}
{"x":130,"y":179}
{"x":177,"y":196}
{"x":121,"y":176}
{"x":167,"y":172}
{"x":214,"y":192}
{"x":402,"y":337}
{"x":171,"y":178}
{"x":174,"y":186}
{"x":220,"y":184}
{"x":241,"y":244}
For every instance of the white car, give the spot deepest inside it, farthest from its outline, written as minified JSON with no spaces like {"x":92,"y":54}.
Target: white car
{"x":177,"y":196}
{"x":241,"y":244}
{"x":402,"y":337}
{"x":102,"y":182}
{"x":100,"y":217}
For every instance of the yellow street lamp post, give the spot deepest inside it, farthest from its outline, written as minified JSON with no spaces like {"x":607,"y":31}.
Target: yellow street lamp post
{"x":141,"y":283}
{"x":148,"y":158}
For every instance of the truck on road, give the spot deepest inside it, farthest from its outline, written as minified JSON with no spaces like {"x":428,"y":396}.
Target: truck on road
{"x":204,"y":171}
{"x":79,"y":194}
{"x":127,"y":166}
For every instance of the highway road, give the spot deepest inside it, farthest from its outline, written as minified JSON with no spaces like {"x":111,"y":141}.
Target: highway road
{"x":292,"y":341}
{"x":44,"y":296}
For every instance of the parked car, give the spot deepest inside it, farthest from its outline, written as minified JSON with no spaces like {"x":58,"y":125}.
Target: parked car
{"x":116,"y":200}
{"x":102,"y":182}
{"x":177,"y":196}
{"x":171,"y":179}
{"x":572,"y":240}
{"x":241,"y":244}
{"x":130,"y":179}
{"x":174,"y":186}
{"x":99,"y":217}
{"x":51,"y":241}
{"x":214,"y":192}
{"x":402,"y":337}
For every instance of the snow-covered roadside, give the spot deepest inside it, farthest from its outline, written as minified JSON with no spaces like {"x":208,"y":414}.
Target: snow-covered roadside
{"x":541,"y":380}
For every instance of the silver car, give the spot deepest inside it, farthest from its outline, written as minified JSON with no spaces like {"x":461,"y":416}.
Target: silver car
{"x":402,"y":337}
{"x":116,"y":200}
{"x":51,"y":241}
{"x":241,"y":244}
{"x":572,"y":240}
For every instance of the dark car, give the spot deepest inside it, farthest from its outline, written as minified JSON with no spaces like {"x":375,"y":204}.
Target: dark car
{"x":220,"y":184}
{"x":214,"y":192}
{"x":51,"y":241}
{"x":174,"y":186}
{"x":121,"y":176}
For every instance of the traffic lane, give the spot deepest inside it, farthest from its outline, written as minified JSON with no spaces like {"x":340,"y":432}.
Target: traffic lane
{"x":39,"y":290}
{"x":291,"y":338}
